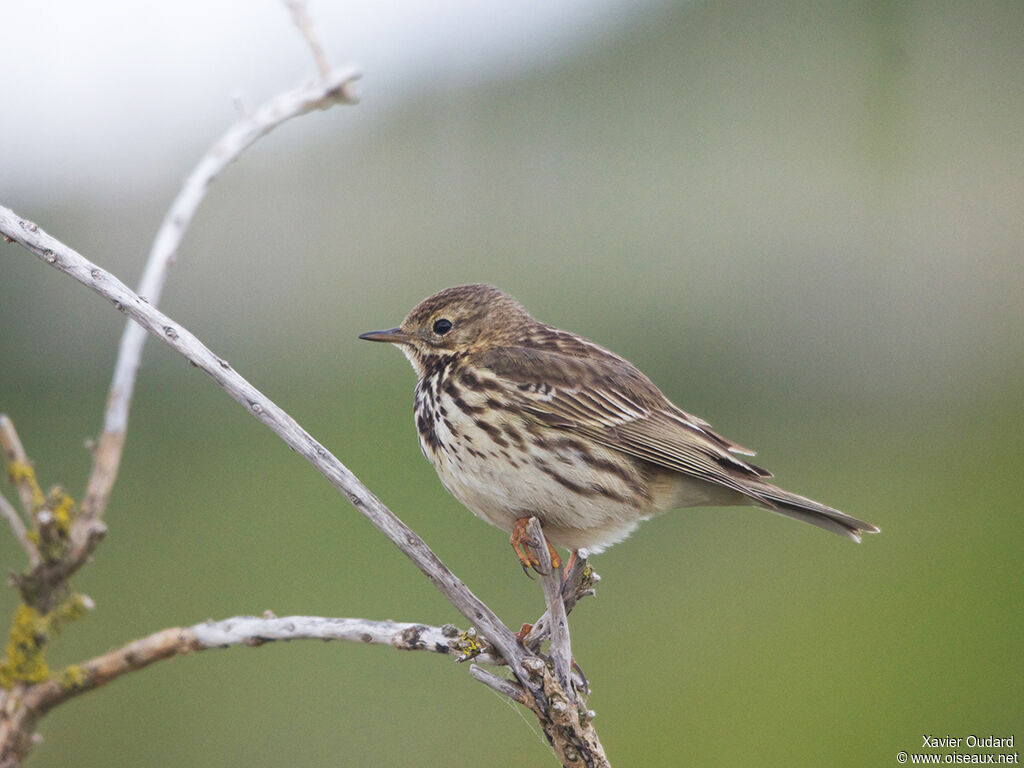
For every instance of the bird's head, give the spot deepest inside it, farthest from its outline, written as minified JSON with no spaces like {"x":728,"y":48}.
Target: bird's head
{"x":455,"y":321}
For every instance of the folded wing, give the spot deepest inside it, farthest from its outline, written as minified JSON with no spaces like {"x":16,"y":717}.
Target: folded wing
{"x":607,"y":399}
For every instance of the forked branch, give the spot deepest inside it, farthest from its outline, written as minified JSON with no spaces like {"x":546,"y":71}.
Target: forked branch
{"x":564,"y":721}
{"x":546,"y":688}
{"x":331,"y":87}
{"x":51,"y":251}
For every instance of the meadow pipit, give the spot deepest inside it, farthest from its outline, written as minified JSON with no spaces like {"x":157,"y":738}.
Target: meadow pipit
{"x":522,"y":419}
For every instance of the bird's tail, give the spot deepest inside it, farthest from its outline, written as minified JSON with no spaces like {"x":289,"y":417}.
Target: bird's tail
{"x":810,"y":511}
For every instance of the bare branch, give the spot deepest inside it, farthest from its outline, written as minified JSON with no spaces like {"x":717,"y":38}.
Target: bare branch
{"x":88,"y":529}
{"x":94,"y":673}
{"x":250,"y":630}
{"x":302,"y":20}
{"x":579,"y":583}
{"x":499,"y":684}
{"x":332,"y":88}
{"x":551,"y":578}
{"x":18,"y":527}
{"x":22,"y":708}
{"x":51,"y":251}
{"x":240,"y":630}
{"x":551,"y":697}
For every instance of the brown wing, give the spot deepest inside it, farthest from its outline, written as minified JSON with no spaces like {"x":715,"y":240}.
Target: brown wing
{"x":605,"y":398}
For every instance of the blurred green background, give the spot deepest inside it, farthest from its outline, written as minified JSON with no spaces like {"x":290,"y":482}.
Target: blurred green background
{"x":803,"y":220}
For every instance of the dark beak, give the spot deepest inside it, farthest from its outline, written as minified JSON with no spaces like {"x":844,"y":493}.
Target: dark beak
{"x":391,"y":336}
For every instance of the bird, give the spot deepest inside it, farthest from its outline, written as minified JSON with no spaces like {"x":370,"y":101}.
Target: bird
{"x":521,"y":419}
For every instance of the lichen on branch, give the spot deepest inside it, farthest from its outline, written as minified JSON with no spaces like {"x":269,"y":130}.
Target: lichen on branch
{"x":30,"y":635}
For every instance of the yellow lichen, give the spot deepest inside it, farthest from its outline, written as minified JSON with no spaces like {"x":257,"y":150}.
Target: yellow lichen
{"x":52,"y":537}
{"x":26,"y":658}
{"x":63,"y":508}
{"x":31,"y":631}
{"x":20,"y":473}
{"x":72,"y":677}
{"x":468,"y":644}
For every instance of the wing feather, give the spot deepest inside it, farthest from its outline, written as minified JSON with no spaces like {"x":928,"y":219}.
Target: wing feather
{"x":607,"y":399}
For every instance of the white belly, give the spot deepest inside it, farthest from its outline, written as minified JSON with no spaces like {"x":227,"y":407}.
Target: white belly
{"x":505,"y":472}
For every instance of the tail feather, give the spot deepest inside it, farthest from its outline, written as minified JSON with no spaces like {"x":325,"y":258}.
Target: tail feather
{"x":810,"y":511}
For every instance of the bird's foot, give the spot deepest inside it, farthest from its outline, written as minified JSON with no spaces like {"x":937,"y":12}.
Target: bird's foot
{"x":524,"y":545}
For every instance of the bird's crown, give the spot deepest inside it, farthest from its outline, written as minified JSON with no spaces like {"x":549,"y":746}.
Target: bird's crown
{"x":465,"y":318}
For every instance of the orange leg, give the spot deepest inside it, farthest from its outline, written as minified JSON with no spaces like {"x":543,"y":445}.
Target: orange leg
{"x":523,"y":546}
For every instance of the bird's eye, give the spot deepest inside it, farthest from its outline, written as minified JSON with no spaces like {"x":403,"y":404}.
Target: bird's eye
{"x":442,"y":326}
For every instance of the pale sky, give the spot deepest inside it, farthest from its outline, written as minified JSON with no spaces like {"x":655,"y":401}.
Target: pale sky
{"x":94,"y":91}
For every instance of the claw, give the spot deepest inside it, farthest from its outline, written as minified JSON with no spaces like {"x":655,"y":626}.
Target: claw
{"x":524,"y":545}
{"x":521,"y":543}
{"x":556,"y":561}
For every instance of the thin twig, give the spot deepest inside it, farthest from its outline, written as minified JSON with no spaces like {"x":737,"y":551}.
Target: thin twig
{"x":19,"y":467}
{"x":51,"y":251}
{"x":302,"y":20}
{"x":551,"y":578}
{"x":333,"y":88}
{"x":579,"y":583}
{"x":18,"y":527}
{"x":499,"y":684}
